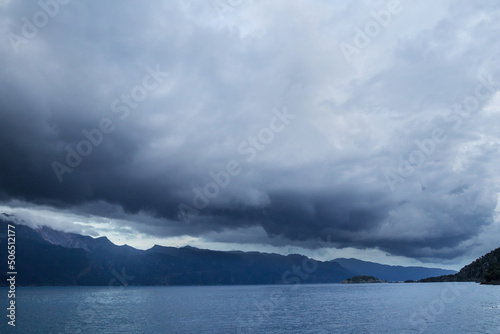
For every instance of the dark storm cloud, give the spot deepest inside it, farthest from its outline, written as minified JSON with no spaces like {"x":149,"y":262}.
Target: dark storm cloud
{"x":182,"y":90}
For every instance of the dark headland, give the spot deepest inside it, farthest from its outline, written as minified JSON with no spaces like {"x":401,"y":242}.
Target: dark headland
{"x":485,"y":270}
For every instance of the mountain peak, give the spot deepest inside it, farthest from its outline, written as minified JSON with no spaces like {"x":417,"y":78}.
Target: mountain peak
{"x":10,"y":218}
{"x":72,"y":240}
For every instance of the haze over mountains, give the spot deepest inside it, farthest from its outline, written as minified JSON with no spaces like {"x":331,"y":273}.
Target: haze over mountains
{"x":49,"y":257}
{"x":386,"y":272}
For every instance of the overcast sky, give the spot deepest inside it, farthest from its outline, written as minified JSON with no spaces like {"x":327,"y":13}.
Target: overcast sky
{"x":329,"y":128}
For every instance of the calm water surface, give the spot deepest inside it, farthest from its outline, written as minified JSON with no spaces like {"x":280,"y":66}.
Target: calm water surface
{"x":332,"y":308}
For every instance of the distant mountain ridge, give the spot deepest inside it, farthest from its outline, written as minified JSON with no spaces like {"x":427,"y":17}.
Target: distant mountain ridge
{"x":48,"y":257}
{"x":390,"y":273}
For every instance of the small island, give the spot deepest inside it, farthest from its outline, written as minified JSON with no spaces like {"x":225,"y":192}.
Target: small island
{"x":362,"y":279}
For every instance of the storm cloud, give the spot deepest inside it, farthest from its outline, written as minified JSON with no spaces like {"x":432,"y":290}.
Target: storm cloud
{"x":201,"y":118}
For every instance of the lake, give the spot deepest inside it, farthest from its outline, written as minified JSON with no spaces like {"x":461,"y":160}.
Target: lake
{"x":328,"y":308}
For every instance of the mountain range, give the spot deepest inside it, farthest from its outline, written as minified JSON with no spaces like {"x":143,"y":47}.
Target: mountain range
{"x":45,"y":256}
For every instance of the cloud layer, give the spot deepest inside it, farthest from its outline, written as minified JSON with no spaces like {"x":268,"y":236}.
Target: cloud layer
{"x":203,"y":119}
